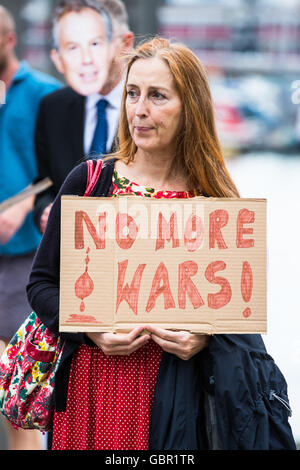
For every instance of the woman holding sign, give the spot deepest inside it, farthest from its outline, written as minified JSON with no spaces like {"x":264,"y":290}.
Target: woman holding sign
{"x":164,"y":389}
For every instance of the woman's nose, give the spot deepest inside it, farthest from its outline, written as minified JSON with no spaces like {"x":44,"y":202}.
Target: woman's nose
{"x":141,"y":107}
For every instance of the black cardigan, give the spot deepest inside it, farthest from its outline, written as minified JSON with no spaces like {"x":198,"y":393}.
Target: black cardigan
{"x":43,"y":286}
{"x":59,"y":136}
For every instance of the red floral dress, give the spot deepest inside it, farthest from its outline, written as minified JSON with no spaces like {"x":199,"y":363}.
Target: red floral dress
{"x":110,"y":397}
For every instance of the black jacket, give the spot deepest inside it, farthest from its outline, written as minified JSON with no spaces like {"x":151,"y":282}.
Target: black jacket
{"x":229,"y":396}
{"x":59,"y":137}
{"x":58,"y":141}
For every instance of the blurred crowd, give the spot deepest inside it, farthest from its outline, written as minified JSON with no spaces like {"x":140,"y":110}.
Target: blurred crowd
{"x":40,"y":120}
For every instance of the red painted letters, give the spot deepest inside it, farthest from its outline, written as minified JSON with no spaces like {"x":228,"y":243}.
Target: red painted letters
{"x":186,"y":286}
{"x":223,"y":297}
{"x":194,"y":224}
{"x":123,"y":221}
{"x":99,"y":238}
{"x":130,"y":294}
{"x":244,"y":217}
{"x":156,"y":289}
{"x":217,"y":220}
{"x":167,"y":231}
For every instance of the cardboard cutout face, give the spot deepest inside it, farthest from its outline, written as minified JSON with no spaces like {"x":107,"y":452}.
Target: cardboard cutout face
{"x":84,"y":54}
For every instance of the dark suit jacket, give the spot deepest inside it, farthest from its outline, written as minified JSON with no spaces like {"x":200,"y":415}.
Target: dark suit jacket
{"x":59,"y":139}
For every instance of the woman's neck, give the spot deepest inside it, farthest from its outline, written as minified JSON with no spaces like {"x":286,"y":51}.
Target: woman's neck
{"x":154,"y":171}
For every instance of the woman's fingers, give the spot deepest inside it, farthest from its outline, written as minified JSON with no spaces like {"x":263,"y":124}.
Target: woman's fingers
{"x":169,"y":335}
{"x":181,"y":343}
{"x":180,"y":350}
{"x":119,"y":343}
{"x":119,"y":339}
{"x":126,"y":350}
{"x":126,"y":347}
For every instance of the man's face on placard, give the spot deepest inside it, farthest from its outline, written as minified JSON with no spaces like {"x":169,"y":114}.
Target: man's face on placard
{"x":84,"y":54}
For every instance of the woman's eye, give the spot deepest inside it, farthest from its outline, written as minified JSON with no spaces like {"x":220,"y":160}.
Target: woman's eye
{"x":158,"y":96}
{"x":131,"y":94}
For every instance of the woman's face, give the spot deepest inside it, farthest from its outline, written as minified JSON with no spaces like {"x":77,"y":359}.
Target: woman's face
{"x":153,"y":106}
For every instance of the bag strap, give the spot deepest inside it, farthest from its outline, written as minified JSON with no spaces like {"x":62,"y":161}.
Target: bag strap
{"x":94,"y":172}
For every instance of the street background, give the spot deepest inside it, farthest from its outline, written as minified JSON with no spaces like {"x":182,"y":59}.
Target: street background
{"x":251,"y":49}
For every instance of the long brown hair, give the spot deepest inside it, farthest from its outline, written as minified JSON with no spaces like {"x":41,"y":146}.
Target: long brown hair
{"x":199,"y":153}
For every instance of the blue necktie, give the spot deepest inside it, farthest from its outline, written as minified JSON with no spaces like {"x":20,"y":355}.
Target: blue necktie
{"x":100,"y":135}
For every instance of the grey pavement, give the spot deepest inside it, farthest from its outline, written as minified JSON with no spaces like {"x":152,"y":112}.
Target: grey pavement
{"x":3,"y":439}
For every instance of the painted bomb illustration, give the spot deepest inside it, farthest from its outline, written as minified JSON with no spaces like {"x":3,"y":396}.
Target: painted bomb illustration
{"x":84,"y":285}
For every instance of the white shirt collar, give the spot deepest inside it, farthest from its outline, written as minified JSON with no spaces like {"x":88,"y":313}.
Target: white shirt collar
{"x":113,"y":98}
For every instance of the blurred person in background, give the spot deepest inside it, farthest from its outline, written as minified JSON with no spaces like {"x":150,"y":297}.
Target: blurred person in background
{"x":19,"y":237}
{"x":82,"y":118}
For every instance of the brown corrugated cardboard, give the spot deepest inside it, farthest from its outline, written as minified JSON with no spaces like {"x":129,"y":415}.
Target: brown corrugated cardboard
{"x":194,"y":264}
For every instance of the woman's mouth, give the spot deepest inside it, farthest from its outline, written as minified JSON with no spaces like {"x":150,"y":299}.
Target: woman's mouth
{"x":143,"y":128}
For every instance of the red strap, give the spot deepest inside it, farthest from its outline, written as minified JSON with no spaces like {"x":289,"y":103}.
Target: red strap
{"x":93,"y":175}
{"x":90,"y":169}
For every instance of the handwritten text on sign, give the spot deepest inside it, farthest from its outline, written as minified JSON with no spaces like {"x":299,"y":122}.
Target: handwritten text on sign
{"x":196,"y":264}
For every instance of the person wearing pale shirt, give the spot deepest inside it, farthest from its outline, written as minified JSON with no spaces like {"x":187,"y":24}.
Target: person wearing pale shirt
{"x":91,"y":39}
{"x":112,"y":116}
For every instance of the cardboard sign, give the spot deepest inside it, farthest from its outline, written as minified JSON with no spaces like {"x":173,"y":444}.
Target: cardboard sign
{"x":195,"y":264}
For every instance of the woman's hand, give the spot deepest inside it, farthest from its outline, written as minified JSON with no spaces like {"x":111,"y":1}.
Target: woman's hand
{"x":119,"y":344}
{"x":181,"y":343}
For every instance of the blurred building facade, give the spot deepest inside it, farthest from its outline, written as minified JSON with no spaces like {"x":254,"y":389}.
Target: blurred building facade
{"x":261,"y":35}
{"x":251,"y":49}
{"x":242,"y":35}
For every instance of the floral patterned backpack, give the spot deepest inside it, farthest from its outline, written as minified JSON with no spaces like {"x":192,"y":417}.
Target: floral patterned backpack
{"x":27,"y":373}
{"x":30,"y":361}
